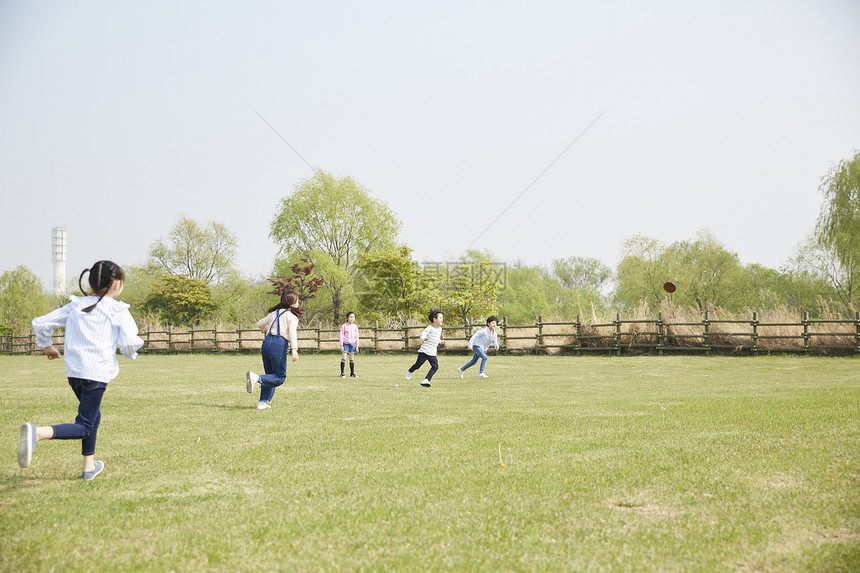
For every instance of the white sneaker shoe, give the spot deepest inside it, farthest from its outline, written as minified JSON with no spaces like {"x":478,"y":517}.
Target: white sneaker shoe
{"x":408,"y":375}
{"x":26,"y":444}
{"x":425,"y":383}
{"x":263,"y":405}
{"x":482,"y":375}
{"x":460,"y":372}
{"x":250,"y":380}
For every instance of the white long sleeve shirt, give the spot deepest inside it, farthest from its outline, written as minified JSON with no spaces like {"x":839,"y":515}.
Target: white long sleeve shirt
{"x":484,"y":338}
{"x":92,"y":338}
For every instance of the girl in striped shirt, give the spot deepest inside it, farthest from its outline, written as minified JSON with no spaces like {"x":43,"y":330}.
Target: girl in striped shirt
{"x":96,"y":325}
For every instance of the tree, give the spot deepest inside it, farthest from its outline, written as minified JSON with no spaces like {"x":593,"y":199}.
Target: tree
{"x":531,"y":292}
{"x":390,"y":283}
{"x":203,"y":253}
{"x":820,"y":263}
{"x":641,"y":272}
{"x":178,"y":300}
{"x":581,"y":273}
{"x":706,"y":274}
{"x":299,"y":281}
{"x":471,"y":288}
{"x":22,"y":298}
{"x":330,"y":221}
{"x":797,"y":289}
{"x":838,"y":227}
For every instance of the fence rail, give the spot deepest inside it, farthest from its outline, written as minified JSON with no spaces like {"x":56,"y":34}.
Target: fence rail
{"x":577,"y":337}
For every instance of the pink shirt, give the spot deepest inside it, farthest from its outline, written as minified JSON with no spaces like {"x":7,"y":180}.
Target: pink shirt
{"x":349,"y":334}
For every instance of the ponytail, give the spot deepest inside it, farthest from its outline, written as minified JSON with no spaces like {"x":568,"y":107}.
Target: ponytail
{"x":102,"y":276}
{"x":288,"y":299}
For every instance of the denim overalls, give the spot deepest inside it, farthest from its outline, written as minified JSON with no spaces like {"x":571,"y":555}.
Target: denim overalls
{"x":274,"y":350}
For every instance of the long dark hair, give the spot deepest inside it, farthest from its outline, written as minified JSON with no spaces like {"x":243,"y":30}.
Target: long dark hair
{"x":102,"y":276}
{"x":288,"y":299}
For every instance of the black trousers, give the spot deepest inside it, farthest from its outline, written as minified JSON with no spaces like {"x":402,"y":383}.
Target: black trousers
{"x":422,"y":358}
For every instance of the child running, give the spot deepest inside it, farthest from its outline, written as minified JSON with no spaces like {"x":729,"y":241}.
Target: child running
{"x":479,"y":344}
{"x":96,"y":325}
{"x":280,"y":327}
{"x":349,"y":343}
{"x":430,"y":338}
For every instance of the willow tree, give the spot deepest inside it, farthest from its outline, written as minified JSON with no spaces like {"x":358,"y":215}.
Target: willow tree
{"x":838,"y":227}
{"x":330,"y":221}
{"x":706,"y":274}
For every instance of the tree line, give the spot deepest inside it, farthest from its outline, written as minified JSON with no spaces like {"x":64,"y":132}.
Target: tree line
{"x":339,"y":248}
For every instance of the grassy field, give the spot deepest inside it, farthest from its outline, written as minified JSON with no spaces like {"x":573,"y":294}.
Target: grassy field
{"x":553,"y":463}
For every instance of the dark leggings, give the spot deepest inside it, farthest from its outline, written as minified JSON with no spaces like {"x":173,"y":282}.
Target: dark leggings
{"x":422,"y":358}
{"x":86,"y":425}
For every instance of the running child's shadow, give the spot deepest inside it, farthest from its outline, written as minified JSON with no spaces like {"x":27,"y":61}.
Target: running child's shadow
{"x":9,"y":484}
{"x":223,"y":406}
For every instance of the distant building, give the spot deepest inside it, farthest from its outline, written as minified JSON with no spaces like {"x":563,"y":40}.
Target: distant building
{"x":59,"y":253}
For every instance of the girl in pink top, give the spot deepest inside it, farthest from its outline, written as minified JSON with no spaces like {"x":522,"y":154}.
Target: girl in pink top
{"x":349,"y":343}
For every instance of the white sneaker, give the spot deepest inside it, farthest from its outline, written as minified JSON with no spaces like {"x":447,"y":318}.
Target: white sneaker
{"x":250,"y":380}
{"x":482,"y":375}
{"x":263,"y":405}
{"x":26,"y":444}
{"x":408,"y":375}
{"x":460,"y":372}
{"x":425,"y":383}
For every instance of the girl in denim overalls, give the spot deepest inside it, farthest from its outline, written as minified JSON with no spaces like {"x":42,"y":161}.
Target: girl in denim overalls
{"x":280,"y":327}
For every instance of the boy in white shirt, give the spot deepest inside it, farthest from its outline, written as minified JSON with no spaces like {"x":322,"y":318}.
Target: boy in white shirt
{"x":430,"y":339}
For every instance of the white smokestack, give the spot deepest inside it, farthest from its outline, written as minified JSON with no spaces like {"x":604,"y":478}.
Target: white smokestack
{"x":59,"y":250}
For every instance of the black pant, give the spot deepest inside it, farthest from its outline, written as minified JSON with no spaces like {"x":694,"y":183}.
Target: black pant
{"x":422,"y":358}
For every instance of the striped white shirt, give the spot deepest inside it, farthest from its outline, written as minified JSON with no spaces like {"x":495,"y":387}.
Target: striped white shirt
{"x":431,"y":336}
{"x":92,"y":338}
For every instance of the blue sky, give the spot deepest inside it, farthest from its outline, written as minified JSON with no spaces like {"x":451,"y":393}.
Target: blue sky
{"x":116,"y":118}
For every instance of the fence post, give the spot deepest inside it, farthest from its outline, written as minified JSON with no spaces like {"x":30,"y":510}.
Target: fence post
{"x":239,"y":337}
{"x":376,"y":336}
{"x":505,"y":333}
{"x":578,"y":332}
{"x":755,"y":331}
{"x":539,"y":335}
{"x":660,"y":334}
{"x":405,"y":337}
{"x":857,"y":324}
{"x":707,"y":334}
{"x":806,"y":331}
{"x":319,"y":335}
{"x":191,"y":348}
{"x":618,"y":334}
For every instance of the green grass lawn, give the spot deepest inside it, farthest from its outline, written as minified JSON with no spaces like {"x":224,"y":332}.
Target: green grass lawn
{"x":607,"y":464}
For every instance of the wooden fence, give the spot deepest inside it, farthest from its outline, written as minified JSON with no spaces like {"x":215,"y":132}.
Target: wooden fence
{"x":637,"y":336}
